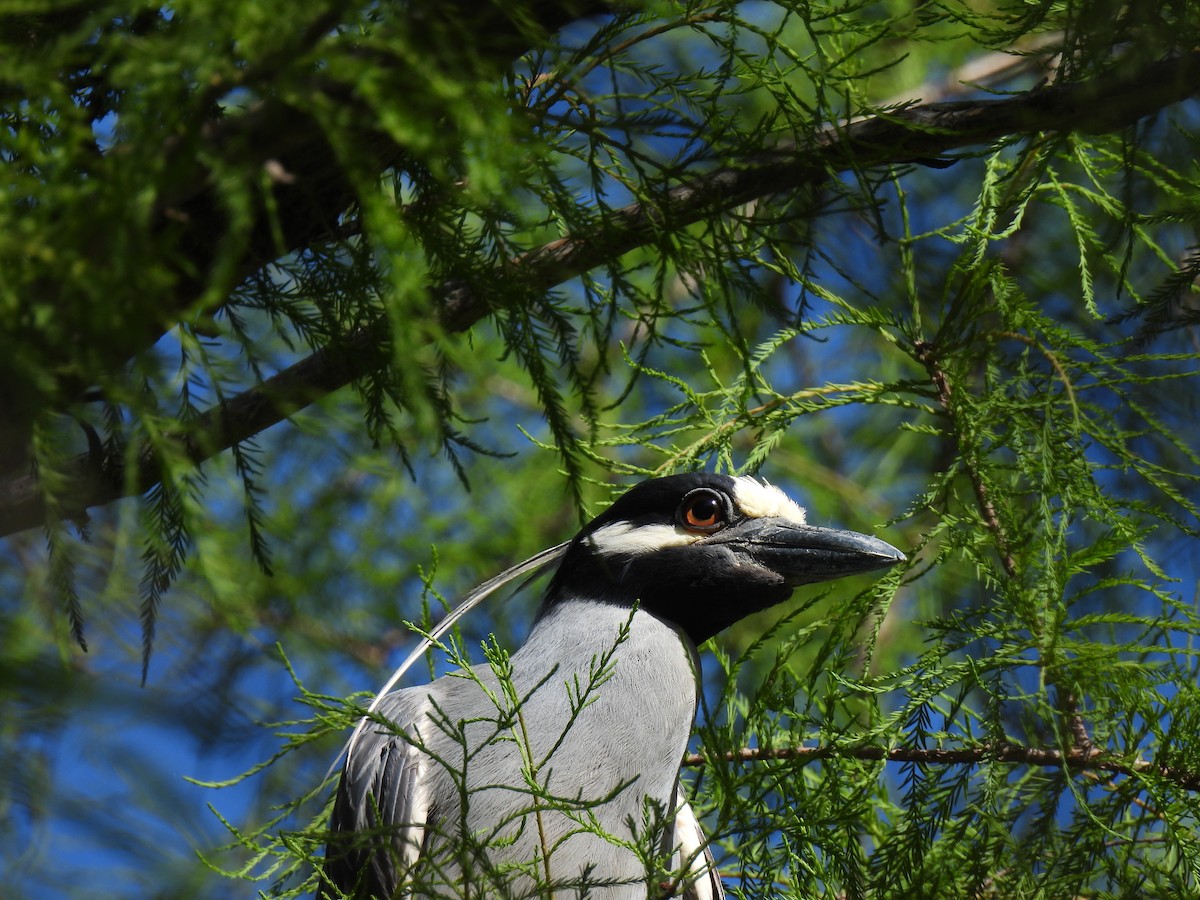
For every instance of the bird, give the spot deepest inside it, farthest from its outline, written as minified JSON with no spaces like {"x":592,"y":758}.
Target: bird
{"x":555,"y":771}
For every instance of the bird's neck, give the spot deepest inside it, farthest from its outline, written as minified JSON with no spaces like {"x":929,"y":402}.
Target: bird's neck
{"x":674,"y":591}
{"x":612,"y":692}
{"x":649,"y":658}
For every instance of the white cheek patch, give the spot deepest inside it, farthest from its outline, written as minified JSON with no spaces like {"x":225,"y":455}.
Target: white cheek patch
{"x":623,"y":539}
{"x":760,"y":500}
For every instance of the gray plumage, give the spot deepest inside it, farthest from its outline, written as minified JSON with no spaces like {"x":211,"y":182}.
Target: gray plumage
{"x":565,"y":780}
{"x":598,"y":649}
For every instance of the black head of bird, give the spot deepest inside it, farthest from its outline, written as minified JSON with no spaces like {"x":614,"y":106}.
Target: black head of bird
{"x":703,"y":551}
{"x":548,"y":792}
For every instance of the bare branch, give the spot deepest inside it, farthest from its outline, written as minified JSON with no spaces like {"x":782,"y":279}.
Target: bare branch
{"x":927,"y":131}
{"x":1075,"y":759}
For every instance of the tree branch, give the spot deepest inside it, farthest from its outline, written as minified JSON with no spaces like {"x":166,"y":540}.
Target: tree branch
{"x":920,"y":132}
{"x":305,"y":204}
{"x":1076,"y":759}
{"x":96,"y":478}
{"x":927,"y":356}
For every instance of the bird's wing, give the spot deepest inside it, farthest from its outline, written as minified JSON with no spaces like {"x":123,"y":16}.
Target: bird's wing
{"x":703,"y":881}
{"x":383,"y":802}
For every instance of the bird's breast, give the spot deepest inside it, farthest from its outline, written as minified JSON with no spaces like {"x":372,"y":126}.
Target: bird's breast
{"x":579,"y":744}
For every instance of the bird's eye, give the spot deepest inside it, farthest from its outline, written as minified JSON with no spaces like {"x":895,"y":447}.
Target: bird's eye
{"x":703,"y":510}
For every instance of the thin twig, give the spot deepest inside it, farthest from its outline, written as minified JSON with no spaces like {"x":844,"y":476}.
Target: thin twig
{"x":927,"y":357}
{"x":1076,"y":759}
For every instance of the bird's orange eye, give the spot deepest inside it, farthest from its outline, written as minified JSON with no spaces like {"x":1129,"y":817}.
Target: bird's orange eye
{"x":703,"y":510}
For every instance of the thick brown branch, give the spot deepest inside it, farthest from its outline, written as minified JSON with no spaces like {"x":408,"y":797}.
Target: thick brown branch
{"x":1076,"y":759}
{"x":920,"y":132}
{"x":310,"y":187}
{"x":96,"y":480}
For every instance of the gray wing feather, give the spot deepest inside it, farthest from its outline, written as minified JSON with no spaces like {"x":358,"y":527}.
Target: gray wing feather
{"x":383,"y":803}
{"x":703,"y":880}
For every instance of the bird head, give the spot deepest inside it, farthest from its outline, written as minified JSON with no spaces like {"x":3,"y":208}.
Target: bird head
{"x":703,"y":551}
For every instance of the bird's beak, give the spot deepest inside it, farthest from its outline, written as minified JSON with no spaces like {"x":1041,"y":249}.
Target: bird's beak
{"x":804,"y":554}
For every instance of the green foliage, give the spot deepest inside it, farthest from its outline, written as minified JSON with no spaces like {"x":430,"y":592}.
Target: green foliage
{"x":991,"y":363}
